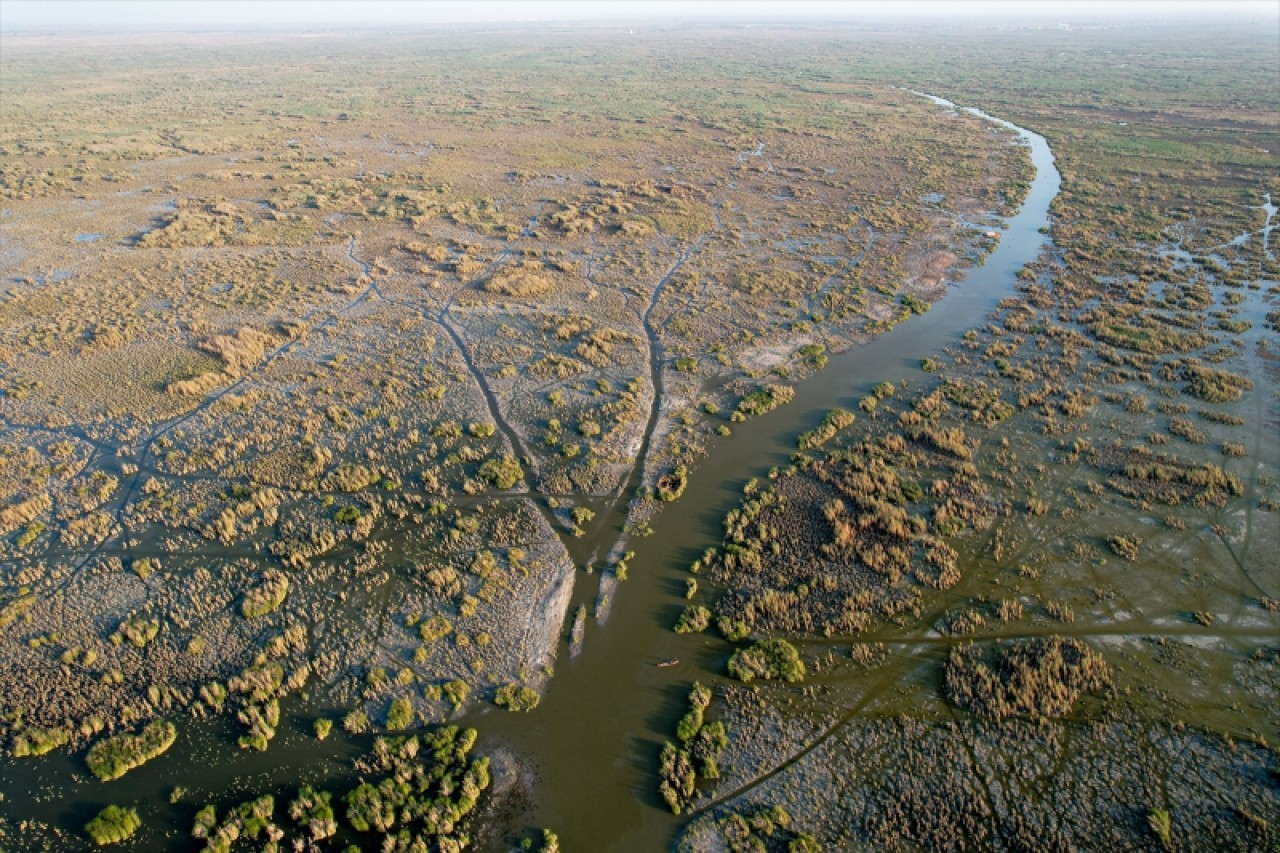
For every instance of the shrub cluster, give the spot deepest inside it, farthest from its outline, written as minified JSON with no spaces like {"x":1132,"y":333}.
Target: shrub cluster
{"x":1040,"y":678}
{"x":113,"y":825}
{"x":773,"y":659}
{"x":112,"y":757}
{"x":696,"y":756}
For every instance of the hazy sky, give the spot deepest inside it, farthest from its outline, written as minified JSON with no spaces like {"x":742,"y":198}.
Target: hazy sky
{"x":46,"y":15}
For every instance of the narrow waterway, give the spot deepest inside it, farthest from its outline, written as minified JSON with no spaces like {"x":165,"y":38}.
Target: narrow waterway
{"x":595,"y":738}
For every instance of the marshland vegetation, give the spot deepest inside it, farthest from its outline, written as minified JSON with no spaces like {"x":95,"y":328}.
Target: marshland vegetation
{"x":365,"y":364}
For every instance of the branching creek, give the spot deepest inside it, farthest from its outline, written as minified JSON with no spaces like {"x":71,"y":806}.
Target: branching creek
{"x":595,"y":738}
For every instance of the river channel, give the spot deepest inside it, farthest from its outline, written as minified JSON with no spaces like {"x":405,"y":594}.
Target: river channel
{"x":595,"y":738}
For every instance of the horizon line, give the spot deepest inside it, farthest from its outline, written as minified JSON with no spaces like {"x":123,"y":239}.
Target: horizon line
{"x":80,"y":17}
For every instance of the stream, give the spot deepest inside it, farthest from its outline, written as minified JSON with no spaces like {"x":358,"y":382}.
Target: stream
{"x":595,"y":738}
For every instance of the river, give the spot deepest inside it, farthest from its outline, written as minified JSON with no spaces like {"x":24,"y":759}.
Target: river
{"x":595,"y":738}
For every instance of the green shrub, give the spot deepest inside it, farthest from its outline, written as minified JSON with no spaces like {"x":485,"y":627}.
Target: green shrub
{"x":689,"y":725}
{"x":733,"y":630}
{"x":400,"y":714}
{"x":112,"y":757}
{"x":313,"y":811}
{"x":113,"y":825}
{"x":913,"y":304}
{"x":515,"y":697}
{"x":693,"y":620}
{"x":138,"y":630}
{"x":768,"y":659}
{"x":502,"y":473}
{"x":429,"y":789}
{"x":37,"y":741}
{"x":814,"y":354}
{"x":262,"y":720}
{"x":671,"y":486}
{"x":836,"y":420}
{"x":765,"y":399}
{"x":29,"y":535}
{"x":697,"y":756}
{"x":1161,"y":824}
{"x":356,"y":722}
{"x":456,"y":692}
{"x":205,"y":823}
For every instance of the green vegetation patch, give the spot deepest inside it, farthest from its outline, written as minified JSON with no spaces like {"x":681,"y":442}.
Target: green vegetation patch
{"x":517,"y":697}
{"x":835,"y":420}
{"x":269,"y":594}
{"x":431,"y":797}
{"x":113,"y":825}
{"x":35,"y":740}
{"x":697,"y":755}
{"x":764,"y":829}
{"x":503,"y":473}
{"x":694,"y":619}
{"x":772,"y":660}
{"x":1207,"y":383}
{"x":114,"y":756}
{"x":764,"y":400}
{"x":671,"y":486}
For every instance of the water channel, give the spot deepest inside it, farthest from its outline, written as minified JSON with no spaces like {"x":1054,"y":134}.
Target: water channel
{"x":596,"y":736}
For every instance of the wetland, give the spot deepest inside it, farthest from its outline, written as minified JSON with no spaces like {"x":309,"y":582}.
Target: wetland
{"x":681,"y":439}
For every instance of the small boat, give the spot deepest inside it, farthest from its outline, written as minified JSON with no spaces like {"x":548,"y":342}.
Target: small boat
{"x":666,"y":663}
